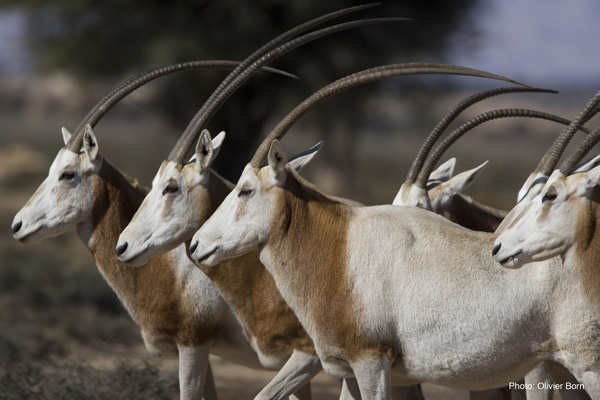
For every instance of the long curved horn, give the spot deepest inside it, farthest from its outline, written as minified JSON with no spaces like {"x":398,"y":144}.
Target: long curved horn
{"x":357,"y":79}
{"x":568,"y":166}
{"x":133,"y":83}
{"x":434,"y":157}
{"x":218,"y":97}
{"x":552,"y":155}
{"x":288,"y":35}
{"x":433,"y":136}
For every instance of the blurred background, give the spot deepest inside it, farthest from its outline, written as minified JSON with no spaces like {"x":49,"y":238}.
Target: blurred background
{"x":60,"y":324}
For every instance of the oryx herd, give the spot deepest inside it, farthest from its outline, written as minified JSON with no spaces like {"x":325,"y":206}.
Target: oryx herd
{"x":272,"y":273}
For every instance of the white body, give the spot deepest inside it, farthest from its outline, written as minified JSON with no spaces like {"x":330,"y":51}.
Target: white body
{"x":400,"y":294}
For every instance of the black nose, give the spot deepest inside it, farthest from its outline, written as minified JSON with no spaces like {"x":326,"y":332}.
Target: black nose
{"x":193,"y":247}
{"x":496,"y":249}
{"x":121,"y":249}
{"x":16,"y":227}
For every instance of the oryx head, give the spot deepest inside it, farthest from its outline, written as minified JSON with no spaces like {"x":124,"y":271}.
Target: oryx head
{"x":550,"y":223}
{"x":66,"y":197}
{"x":244,"y":219}
{"x":175,"y":207}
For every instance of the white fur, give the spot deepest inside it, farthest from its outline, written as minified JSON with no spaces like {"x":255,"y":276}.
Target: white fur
{"x":424,"y":286}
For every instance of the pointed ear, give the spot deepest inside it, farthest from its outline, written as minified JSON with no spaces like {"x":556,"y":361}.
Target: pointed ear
{"x":216,"y":144}
{"x":277,"y":160}
{"x":461,"y":181}
{"x":444,"y":172}
{"x":298,"y":161}
{"x":90,"y":144}
{"x":204,"y":151}
{"x":66,"y":135}
{"x":589,"y":181}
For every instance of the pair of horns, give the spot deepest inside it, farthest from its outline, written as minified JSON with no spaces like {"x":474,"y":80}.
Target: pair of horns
{"x":135,"y":82}
{"x":269,"y":52}
{"x":551,"y":157}
{"x":357,"y":79}
{"x":569,"y":165}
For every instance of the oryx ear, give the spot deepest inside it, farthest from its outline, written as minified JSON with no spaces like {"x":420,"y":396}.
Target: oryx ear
{"x":461,"y":181}
{"x":298,"y":161}
{"x":216,"y":144}
{"x":204,"y":151}
{"x":589,"y":181}
{"x":90,"y":144}
{"x":66,"y":135}
{"x":444,"y":172}
{"x":277,"y":160}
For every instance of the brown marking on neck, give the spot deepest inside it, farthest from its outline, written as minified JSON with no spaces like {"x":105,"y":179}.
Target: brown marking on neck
{"x":587,"y":251}
{"x":308,"y":241}
{"x":151,"y":292}
{"x":250,"y":290}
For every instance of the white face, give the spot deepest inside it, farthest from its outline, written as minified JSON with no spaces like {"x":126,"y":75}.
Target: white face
{"x":173,"y":210}
{"x":244,"y":219}
{"x":546,"y":226}
{"x":65,"y":198}
{"x":169,"y":214}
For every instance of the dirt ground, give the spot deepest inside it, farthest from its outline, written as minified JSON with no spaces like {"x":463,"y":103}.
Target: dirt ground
{"x":235,"y":382}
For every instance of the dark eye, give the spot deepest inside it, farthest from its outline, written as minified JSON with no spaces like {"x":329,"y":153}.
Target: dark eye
{"x":66,"y":175}
{"x":245,"y":192}
{"x":171,"y":188}
{"x":549,"y":196}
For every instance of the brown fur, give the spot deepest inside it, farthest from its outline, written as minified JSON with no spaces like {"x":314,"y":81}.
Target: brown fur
{"x":150,"y":293}
{"x":250,"y":290}
{"x":317,"y":275}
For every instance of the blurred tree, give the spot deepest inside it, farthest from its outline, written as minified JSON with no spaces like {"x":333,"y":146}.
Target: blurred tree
{"x":100,"y":39}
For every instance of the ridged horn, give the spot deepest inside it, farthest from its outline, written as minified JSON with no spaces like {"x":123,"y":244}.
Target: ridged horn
{"x":135,"y":82}
{"x":437,"y":153}
{"x":551,"y":157}
{"x":569,"y":165}
{"x":218,"y":97}
{"x":357,"y":79}
{"x":433,"y":136}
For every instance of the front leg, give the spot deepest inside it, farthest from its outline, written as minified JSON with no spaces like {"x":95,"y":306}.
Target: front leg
{"x":373,"y":377}
{"x":299,"y":369}
{"x":193,"y":367}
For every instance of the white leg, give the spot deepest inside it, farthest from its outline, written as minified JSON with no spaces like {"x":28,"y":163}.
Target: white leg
{"x":373,"y":377}
{"x":193,"y":364}
{"x":297,"y":371}
{"x":210,"y":389}
{"x":540,"y":381}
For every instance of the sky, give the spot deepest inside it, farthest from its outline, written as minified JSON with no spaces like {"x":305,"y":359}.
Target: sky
{"x":538,"y":41}
{"x":541,"y":42}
